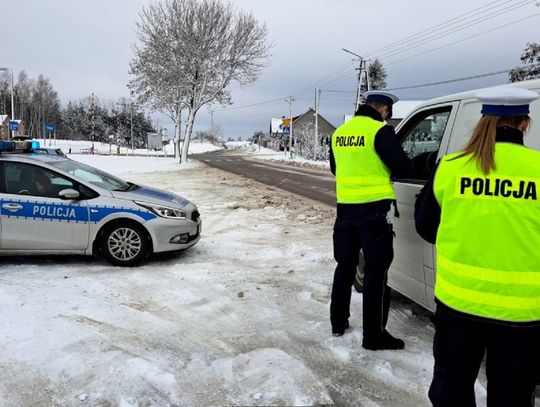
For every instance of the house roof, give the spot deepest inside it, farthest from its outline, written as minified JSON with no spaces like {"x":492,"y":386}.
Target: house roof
{"x":3,"y":118}
{"x":276,"y":122}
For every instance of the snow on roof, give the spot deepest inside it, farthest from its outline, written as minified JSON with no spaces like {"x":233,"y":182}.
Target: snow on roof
{"x":3,"y":118}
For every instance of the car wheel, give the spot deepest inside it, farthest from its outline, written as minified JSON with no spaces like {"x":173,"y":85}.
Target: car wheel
{"x":359,"y":277}
{"x":124,"y":244}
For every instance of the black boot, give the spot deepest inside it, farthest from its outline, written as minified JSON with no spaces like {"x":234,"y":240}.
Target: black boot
{"x":383,"y":342}
{"x":340,"y":330}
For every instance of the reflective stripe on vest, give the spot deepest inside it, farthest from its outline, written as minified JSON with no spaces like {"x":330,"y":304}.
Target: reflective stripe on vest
{"x":488,"y":242}
{"x":361,"y":176}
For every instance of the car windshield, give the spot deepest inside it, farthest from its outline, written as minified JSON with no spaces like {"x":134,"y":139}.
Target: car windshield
{"x":92,"y":175}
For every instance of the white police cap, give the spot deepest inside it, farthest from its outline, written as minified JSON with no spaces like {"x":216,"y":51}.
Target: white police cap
{"x":506,"y":101}
{"x":386,"y":97}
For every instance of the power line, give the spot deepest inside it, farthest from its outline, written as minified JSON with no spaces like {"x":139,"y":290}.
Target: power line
{"x":434,"y":28}
{"x":423,"y":41}
{"x":464,"y":39}
{"x":467,"y":78}
{"x":267,"y":102}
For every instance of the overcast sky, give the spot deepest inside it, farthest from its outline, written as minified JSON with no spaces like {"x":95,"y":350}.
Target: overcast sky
{"x":86,"y":46}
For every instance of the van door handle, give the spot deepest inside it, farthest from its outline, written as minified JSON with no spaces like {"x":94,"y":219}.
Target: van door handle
{"x":12,"y":207}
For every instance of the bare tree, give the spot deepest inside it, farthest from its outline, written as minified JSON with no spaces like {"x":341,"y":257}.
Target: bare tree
{"x":189,"y":52}
{"x":531,"y":59}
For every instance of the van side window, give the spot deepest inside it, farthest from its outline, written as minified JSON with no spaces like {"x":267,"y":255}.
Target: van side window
{"x":421,"y":138}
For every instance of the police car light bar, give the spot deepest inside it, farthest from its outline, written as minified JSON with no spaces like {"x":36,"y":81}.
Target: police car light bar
{"x":18,"y":146}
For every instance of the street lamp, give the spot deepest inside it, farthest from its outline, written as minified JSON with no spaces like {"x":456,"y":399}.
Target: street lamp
{"x":12,"y":98}
{"x":131,"y":121}
{"x":361,"y":68}
{"x":290,"y":101}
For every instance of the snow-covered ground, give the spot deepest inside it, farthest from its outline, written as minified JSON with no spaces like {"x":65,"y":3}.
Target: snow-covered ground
{"x":263,"y":153}
{"x":83,"y":147}
{"x":239,"y":319}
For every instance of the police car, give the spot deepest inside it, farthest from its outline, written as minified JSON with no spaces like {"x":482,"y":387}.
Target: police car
{"x":50,"y":204}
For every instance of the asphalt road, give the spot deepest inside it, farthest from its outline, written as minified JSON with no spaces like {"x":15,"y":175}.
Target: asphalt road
{"x":314,"y":184}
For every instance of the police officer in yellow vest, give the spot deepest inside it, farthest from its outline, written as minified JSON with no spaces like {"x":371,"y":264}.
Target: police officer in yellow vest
{"x":481,"y":209}
{"x":364,"y":155}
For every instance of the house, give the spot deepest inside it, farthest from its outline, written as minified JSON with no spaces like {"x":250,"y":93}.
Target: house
{"x":4,"y":127}
{"x":303,"y":134}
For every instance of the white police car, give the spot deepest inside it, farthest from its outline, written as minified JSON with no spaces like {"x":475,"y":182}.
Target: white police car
{"x":50,"y":204}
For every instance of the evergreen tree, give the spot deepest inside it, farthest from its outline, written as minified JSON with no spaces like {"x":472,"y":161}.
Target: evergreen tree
{"x":531,"y":59}
{"x":377,"y":77}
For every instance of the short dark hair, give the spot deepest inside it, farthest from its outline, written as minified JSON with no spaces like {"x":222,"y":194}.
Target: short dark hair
{"x":377,"y":104}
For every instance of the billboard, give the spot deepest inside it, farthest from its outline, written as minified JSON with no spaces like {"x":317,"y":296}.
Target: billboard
{"x":154,"y":141}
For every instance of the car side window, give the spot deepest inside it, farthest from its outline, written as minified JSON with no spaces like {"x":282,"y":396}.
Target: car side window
{"x":27,"y":179}
{"x":421,"y":138}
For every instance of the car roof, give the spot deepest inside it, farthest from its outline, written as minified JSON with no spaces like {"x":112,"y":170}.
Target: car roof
{"x":531,"y":84}
{"x":32,"y":157}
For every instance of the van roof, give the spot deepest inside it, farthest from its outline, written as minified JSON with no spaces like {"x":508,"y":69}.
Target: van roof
{"x":531,"y":84}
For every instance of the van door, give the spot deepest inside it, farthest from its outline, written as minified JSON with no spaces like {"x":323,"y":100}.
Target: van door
{"x":424,"y":137}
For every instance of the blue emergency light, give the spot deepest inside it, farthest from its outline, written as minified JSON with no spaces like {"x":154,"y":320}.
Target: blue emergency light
{"x":19,"y":146}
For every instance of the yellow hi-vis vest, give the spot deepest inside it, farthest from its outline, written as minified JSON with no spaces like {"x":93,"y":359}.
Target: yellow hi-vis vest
{"x":361,"y":176}
{"x":488,"y":241}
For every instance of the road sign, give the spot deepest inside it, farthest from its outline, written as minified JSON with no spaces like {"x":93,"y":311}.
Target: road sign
{"x":50,"y":128}
{"x":14,"y":125}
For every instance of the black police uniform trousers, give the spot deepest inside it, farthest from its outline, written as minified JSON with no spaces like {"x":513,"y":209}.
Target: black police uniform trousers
{"x":374,"y":235}
{"x":512,"y":360}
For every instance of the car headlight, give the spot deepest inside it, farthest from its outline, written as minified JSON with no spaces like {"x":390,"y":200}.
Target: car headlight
{"x":163,"y":211}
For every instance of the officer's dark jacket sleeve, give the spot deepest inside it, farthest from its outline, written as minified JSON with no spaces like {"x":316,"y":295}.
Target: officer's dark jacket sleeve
{"x":427,"y":212}
{"x":332,"y":161}
{"x":391,"y":153}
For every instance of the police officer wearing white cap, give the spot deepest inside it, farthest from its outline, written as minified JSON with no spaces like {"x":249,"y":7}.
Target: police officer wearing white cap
{"x":364,"y":155}
{"x":481,"y":210}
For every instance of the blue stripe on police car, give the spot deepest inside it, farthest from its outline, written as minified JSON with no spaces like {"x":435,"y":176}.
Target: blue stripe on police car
{"x":66,"y":213}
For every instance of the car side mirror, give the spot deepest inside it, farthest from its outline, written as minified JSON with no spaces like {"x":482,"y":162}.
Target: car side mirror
{"x":69,"y":194}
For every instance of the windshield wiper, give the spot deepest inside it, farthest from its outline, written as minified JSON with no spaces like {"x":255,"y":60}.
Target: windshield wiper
{"x":130,"y":187}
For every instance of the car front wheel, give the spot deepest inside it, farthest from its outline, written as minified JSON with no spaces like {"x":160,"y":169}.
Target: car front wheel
{"x":124,"y":244}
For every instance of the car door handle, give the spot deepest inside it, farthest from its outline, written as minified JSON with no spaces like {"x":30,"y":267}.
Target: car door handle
{"x":12,"y":207}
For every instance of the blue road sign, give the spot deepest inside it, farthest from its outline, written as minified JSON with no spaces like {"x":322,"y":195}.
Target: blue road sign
{"x":13,"y":125}
{"x":50,"y":128}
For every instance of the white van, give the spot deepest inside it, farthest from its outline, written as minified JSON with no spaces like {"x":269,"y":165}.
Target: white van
{"x":433,"y":129}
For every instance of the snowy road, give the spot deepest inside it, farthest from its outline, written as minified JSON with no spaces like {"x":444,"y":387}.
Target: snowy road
{"x":239,"y":319}
{"x":316,"y":184}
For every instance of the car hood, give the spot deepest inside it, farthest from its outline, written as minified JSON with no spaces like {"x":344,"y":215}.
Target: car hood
{"x":153,"y":195}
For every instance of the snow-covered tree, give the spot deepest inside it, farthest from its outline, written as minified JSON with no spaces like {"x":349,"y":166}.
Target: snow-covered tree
{"x":377,"y":76}
{"x":36,"y":102}
{"x":530,"y":58}
{"x":189,"y":52}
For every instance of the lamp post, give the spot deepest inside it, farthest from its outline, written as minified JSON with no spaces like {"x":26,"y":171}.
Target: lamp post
{"x":131,"y":120}
{"x":290,"y":101}
{"x":361,"y":69}
{"x":12,"y":97}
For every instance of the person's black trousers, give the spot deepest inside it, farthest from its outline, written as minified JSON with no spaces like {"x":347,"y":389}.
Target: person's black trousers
{"x":375,"y":237}
{"x":512,"y":361}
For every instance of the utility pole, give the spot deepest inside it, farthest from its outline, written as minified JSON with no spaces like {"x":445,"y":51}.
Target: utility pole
{"x":131,"y":124}
{"x":317,"y":99}
{"x":12,"y":95}
{"x":93,"y":126}
{"x":212,"y":122}
{"x":290,"y":101}
{"x":362,"y":70}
